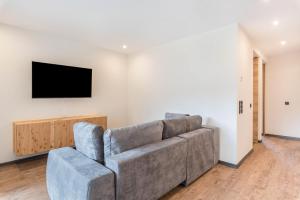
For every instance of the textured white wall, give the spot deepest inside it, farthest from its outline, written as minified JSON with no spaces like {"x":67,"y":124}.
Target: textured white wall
{"x":19,"y":47}
{"x":245,"y":88}
{"x":282,"y":84}
{"x":196,"y":75}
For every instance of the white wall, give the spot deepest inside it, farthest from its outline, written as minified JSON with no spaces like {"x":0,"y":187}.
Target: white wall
{"x":19,"y":47}
{"x":282,"y":84}
{"x":245,"y":94}
{"x":196,"y":75}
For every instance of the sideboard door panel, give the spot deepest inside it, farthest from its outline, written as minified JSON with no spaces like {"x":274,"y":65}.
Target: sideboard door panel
{"x":32,"y":138}
{"x":40,"y":136}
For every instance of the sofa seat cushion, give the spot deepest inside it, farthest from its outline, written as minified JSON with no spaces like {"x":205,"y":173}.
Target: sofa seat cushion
{"x":89,"y":140}
{"x":200,"y":154}
{"x":123,"y":139}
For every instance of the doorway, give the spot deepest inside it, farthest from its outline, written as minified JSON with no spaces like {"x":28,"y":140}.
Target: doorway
{"x":264,"y":96}
{"x":259,"y":69}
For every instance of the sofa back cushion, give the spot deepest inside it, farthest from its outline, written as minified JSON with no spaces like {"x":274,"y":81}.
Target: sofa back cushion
{"x":89,"y":140}
{"x":174,"y":127}
{"x":122,"y":139}
{"x":193,"y":122}
{"x":175,"y":115}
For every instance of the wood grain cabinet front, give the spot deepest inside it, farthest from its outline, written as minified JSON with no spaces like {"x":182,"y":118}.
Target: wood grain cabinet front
{"x":39,"y":136}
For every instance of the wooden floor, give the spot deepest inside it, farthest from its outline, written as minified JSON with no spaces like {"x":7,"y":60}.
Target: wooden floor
{"x":271,"y":172}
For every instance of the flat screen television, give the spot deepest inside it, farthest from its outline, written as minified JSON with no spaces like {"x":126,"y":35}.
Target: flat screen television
{"x":59,"y":81}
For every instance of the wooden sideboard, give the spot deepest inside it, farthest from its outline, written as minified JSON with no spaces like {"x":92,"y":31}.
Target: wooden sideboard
{"x":39,"y":136}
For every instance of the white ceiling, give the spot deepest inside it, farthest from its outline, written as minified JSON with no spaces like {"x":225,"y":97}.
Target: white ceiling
{"x":142,"y":24}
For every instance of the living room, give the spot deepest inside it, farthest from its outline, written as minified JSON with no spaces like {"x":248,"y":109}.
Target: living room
{"x":219,"y":79}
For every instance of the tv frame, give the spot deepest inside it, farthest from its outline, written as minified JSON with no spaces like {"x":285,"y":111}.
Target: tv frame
{"x":60,"y":97}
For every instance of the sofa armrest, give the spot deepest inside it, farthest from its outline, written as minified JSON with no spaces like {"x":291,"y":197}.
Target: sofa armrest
{"x":72,"y":176}
{"x":216,"y":139}
{"x":150,"y":171}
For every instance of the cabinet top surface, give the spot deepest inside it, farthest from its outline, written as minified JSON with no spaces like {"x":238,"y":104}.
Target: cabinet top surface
{"x":58,"y":118}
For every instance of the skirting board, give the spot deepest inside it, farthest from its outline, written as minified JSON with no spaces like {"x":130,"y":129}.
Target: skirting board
{"x":36,"y":157}
{"x":236,"y":166}
{"x":283,"y":137}
{"x":33,"y":157}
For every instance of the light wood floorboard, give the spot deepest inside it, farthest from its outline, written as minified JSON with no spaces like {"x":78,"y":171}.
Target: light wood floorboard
{"x":271,"y":172}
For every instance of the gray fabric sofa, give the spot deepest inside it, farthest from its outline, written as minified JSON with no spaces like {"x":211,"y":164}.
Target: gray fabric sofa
{"x":73,"y":176}
{"x":141,"y":162}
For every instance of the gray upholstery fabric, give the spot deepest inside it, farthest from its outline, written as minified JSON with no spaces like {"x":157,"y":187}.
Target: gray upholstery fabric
{"x":216,"y":139}
{"x":145,"y":166}
{"x":175,"y":115}
{"x":73,"y":176}
{"x":174,"y":127}
{"x":122,"y":139}
{"x":193,"y":122}
{"x":200,"y":157}
{"x":89,"y":140}
{"x":148,"y":172}
{"x":180,"y":124}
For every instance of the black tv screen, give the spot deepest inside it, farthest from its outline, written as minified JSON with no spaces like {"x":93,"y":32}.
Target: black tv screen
{"x":59,"y":81}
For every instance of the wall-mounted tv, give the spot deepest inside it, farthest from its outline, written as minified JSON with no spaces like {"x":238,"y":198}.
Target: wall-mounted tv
{"x":59,"y":81}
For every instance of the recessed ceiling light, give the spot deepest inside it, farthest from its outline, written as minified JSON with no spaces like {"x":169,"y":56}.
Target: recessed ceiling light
{"x":124,"y":46}
{"x":275,"y":22}
{"x":266,"y":1}
{"x":283,"y":43}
